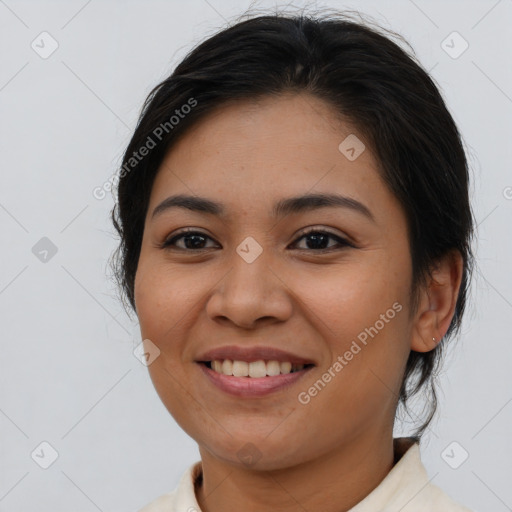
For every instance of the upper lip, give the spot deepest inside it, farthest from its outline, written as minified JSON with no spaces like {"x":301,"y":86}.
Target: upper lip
{"x":250,"y":354}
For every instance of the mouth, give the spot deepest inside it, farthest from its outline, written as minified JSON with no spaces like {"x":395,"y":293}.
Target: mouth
{"x":252,"y":379}
{"x":254,"y":369}
{"x":252,"y":372}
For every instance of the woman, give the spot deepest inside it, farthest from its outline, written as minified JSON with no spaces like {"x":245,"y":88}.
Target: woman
{"x":295,"y":241}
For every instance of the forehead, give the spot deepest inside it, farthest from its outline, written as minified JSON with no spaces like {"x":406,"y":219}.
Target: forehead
{"x":253,"y":152}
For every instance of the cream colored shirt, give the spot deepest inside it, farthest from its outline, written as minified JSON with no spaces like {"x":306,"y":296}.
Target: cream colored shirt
{"x":406,"y":488}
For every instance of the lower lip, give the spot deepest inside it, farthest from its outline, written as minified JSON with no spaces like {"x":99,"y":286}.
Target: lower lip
{"x":250,"y":386}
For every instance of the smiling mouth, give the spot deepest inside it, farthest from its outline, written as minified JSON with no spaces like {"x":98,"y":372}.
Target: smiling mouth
{"x":254,"y":369}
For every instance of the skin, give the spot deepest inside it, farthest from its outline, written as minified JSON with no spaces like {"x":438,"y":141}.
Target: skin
{"x":330,"y":453}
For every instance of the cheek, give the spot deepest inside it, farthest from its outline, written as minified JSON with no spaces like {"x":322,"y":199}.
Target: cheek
{"x":163,"y":310}
{"x":348,"y":299}
{"x":164,"y":296}
{"x":363,"y":317}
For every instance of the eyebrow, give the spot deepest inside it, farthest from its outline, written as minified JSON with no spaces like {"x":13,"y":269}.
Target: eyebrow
{"x":282,"y":208}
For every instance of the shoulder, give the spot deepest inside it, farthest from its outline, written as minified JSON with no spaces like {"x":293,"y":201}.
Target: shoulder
{"x":182,"y":498}
{"x":415,"y":491}
{"x":407,"y":487}
{"x":435,"y":499}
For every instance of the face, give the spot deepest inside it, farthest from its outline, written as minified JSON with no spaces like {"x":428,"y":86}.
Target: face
{"x":315,"y":283}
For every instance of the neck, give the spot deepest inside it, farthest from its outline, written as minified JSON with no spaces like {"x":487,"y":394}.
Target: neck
{"x":334,"y":482}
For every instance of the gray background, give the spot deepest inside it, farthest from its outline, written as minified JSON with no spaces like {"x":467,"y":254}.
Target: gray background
{"x":67,"y":372}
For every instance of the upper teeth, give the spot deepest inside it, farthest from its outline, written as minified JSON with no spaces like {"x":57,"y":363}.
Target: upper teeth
{"x":254,"y":369}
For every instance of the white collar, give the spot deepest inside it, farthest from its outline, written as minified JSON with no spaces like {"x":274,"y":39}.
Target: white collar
{"x":406,"y":488}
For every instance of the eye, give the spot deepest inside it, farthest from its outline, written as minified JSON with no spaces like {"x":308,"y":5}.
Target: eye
{"x":319,"y":240}
{"x":192,"y":240}
{"x":316,"y":240}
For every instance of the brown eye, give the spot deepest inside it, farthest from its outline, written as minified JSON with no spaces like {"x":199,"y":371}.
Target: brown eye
{"x":318,"y":240}
{"x":192,"y":240}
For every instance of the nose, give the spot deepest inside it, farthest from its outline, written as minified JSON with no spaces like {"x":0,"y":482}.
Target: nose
{"x":251,"y":294}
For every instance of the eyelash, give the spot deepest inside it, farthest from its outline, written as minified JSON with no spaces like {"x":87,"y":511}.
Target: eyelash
{"x":342,"y":242}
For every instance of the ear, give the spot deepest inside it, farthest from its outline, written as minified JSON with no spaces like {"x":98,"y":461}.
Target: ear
{"x":437,"y":302}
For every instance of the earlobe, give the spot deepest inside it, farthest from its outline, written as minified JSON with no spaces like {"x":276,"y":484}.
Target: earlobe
{"x":437,"y":303}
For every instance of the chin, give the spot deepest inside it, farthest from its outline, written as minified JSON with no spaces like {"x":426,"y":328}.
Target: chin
{"x":254,"y":453}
